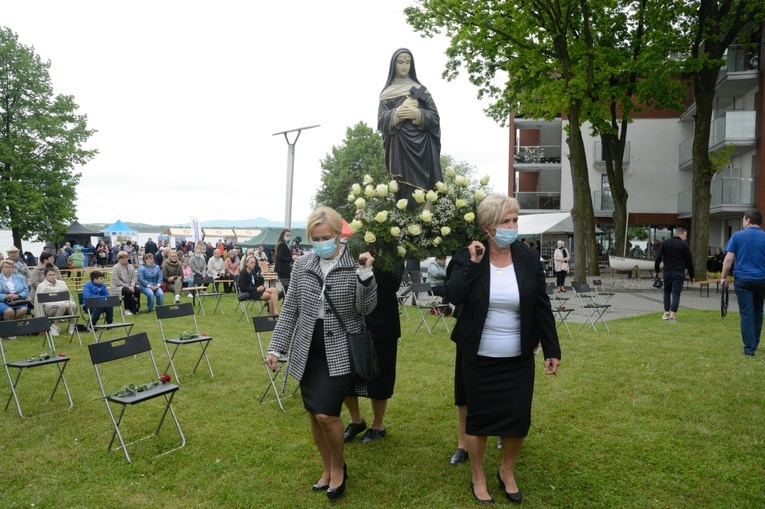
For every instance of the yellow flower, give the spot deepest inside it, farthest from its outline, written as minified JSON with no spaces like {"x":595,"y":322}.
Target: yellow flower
{"x":401,"y":250}
{"x":437,"y":241}
{"x":480,"y":194}
{"x":369,"y":191}
{"x":402,"y":203}
{"x":393,"y":186}
{"x":441,"y":187}
{"x":395,"y":231}
{"x":484,"y":180}
{"x":432,"y":195}
{"x":351,"y":197}
{"x":460,"y":203}
{"x":469,"y":217}
{"x":361,"y":204}
{"x":368,"y":179}
{"x":445,"y":230}
{"x":356,"y":189}
{"x":426,"y":216}
{"x":369,"y":237}
{"x":414,"y":229}
{"x":382,"y":190}
{"x":419,"y":196}
{"x":355,"y":225}
{"x":382,"y":216}
{"x":449,"y":172}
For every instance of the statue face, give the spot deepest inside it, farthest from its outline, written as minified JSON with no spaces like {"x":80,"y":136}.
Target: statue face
{"x":403,"y":64}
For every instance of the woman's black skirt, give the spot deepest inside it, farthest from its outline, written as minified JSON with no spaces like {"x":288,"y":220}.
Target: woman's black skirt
{"x":560,"y":277}
{"x":499,"y":393}
{"x":322,"y":394}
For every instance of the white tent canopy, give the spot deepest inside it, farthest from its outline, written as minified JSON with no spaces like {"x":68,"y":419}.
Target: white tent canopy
{"x":533,"y":225}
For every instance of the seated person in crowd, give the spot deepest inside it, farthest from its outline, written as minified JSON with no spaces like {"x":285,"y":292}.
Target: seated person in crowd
{"x":161,"y":255}
{"x":19,"y":264}
{"x":216,"y":268}
{"x":53,"y":284}
{"x":188,"y":275}
{"x":173,"y":274}
{"x":61,"y":261}
{"x":150,"y":281}
{"x":125,"y":283}
{"x":13,"y":288}
{"x":198,"y":263}
{"x":252,"y":283}
{"x":232,"y":270}
{"x":437,"y":278}
{"x":97,"y":288}
{"x":38,"y":273}
{"x":260,"y":255}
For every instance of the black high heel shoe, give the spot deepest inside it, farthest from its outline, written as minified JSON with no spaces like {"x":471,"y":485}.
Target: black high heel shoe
{"x":335,"y":493}
{"x":319,"y":487}
{"x":483,"y":501}
{"x":516,"y":497}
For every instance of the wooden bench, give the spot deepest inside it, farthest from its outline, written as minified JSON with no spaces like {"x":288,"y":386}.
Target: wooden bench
{"x":706,"y":284}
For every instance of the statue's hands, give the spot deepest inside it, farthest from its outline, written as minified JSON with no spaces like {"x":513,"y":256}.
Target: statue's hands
{"x":408,"y":110}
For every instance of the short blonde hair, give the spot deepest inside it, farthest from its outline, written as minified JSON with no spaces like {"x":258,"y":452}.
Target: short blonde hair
{"x":561,"y":243}
{"x":7,"y":262}
{"x":493,"y":208}
{"x":324,"y":215}
{"x":121,"y":255}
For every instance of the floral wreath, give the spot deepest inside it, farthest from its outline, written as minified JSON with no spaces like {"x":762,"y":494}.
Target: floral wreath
{"x":440,"y":221}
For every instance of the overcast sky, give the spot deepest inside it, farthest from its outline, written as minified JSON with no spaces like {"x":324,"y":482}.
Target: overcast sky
{"x":186,"y":96}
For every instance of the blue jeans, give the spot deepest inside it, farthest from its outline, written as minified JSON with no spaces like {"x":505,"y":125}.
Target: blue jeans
{"x":751,"y":295}
{"x":673,"y":285}
{"x":150,"y":297}
{"x":96,"y":314}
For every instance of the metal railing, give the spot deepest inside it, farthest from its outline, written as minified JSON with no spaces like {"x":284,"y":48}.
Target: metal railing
{"x":537,"y":154}
{"x":733,"y":125}
{"x":726,"y":192}
{"x":599,"y":159}
{"x":743,"y":57}
{"x":538,"y":201}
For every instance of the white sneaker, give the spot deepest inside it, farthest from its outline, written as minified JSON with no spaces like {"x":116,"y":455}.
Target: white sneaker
{"x":128,"y":313}
{"x":188,"y":295}
{"x":177,"y":299}
{"x":72,"y":327}
{"x":55,"y":330}
{"x":665,"y":316}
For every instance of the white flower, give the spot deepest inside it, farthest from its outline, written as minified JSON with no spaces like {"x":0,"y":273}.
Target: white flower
{"x":368,"y":179}
{"x":356,"y":189}
{"x":382,"y":190}
{"x":437,"y":241}
{"x":369,"y":191}
{"x":419,"y":196}
{"x":402,"y":203}
{"x":480,"y":194}
{"x":355,"y":225}
{"x":445,"y":230}
{"x":369,"y":237}
{"x":382,"y":216}
{"x":401,"y":250}
{"x":484,"y":180}
{"x":441,"y":187}
{"x":395,"y":231}
{"x":393,"y":186}
{"x":460,"y":203}
{"x":361,"y":204}
{"x":450,"y":172}
{"x":461,"y":180}
{"x":426,"y":216}
{"x":351,"y":197}
{"x":432,"y":195}
{"x":414,"y":229}
{"x":469,"y":217}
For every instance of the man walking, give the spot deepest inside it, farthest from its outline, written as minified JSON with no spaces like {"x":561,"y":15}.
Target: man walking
{"x":677,"y":257}
{"x":747,"y":249}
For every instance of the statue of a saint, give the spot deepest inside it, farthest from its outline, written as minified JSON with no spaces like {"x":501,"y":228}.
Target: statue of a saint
{"x":409,"y":123}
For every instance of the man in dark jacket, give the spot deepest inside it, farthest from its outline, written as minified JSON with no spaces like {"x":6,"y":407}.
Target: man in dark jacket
{"x":677,"y":257}
{"x":150,"y":247}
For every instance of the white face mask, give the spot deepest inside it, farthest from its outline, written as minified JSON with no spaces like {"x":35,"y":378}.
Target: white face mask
{"x":286,"y":238}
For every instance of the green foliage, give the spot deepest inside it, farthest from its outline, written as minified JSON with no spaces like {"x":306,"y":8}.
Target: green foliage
{"x":637,"y":233}
{"x":41,"y":140}
{"x":360,"y":153}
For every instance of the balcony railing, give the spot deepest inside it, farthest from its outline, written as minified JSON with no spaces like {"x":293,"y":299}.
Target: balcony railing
{"x":686,"y":151}
{"x":537,"y":154}
{"x":743,"y":57}
{"x":599,"y":153}
{"x":538,"y":201}
{"x":602,"y":200}
{"x":726,"y":192}
{"x":734,"y":125}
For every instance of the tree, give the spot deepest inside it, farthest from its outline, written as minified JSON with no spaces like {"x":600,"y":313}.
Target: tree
{"x":41,"y":139}
{"x":361,"y":153}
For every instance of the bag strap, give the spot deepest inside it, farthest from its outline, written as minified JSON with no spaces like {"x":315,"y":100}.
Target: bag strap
{"x":334,"y":310}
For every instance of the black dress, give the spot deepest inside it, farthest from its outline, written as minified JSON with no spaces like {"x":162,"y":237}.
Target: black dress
{"x":250,"y":281}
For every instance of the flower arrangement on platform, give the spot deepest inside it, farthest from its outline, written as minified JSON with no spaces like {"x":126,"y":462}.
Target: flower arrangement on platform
{"x":437,"y":223}
{"x":132,"y":389}
{"x":44,"y":356}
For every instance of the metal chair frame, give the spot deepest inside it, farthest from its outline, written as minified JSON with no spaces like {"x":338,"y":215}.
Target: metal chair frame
{"x":418,"y":289}
{"x":45,"y":298}
{"x":592,"y":310}
{"x":264,"y":324}
{"x":180,"y":310}
{"x":113,"y":301}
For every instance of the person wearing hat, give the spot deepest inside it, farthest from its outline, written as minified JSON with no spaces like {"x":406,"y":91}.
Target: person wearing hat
{"x":19,"y":265}
{"x":13,"y":288}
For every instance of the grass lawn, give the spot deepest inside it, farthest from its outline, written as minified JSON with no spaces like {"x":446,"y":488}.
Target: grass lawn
{"x":647,"y":416}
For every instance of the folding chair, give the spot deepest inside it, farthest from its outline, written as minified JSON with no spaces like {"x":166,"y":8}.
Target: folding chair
{"x":46,"y":298}
{"x":201,"y":292}
{"x":428,"y":305}
{"x":264,"y":324}
{"x":591,"y":308}
{"x":32,"y":327}
{"x":129,"y":395}
{"x":560,"y":311}
{"x":113,"y":301}
{"x":178,"y":311}
{"x":604,"y":296}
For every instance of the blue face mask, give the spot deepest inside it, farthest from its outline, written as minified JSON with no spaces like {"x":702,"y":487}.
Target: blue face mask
{"x":325,"y":248}
{"x":505,"y":236}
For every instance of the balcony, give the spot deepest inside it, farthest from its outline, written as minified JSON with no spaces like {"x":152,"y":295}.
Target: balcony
{"x":686,"y":153}
{"x":529,"y":157}
{"x":600,"y":160}
{"x":729,"y":194}
{"x":602,"y":201}
{"x":736,"y":128}
{"x":743,"y":58}
{"x":538,"y":201}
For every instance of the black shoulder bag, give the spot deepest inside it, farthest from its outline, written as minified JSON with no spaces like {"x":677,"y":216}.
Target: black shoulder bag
{"x":361,"y":351}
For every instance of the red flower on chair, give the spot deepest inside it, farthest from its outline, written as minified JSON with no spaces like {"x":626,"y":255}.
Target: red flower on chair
{"x":164,"y":378}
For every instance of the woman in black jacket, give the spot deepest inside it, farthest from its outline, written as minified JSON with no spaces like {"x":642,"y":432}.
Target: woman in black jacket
{"x":252,"y":283}
{"x":284,"y":256}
